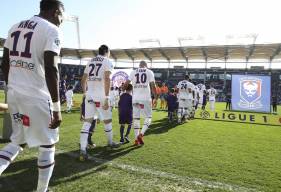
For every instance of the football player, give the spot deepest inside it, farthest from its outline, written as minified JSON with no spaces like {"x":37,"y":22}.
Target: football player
{"x":31,"y":73}
{"x":186,"y":99}
{"x":96,"y":86}
{"x":200,"y":88}
{"x":143,"y":83}
{"x":212,"y":97}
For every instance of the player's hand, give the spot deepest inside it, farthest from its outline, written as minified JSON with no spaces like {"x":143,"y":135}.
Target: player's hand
{"x":56,"y":121}
{"x":105,"y":105}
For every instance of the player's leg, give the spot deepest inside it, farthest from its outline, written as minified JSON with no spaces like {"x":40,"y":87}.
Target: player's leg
{"x":91,"y":144}
{"x":128,"y":121}
{"x":136,"y":120}
{"x":85,"y":130}
{"x":212,"y":105}
{"x":146,"y":110}
{"x":180,"y":110}
{"x":122,"y":128}
{"x":128,"y":132}
{"x":36,"y":116}
{"x":46,"y":163}
{"x":106,"y":116}
{"x":11,"y":150}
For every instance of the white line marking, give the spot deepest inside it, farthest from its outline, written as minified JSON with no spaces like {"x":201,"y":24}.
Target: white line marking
{"x":166,"y":175}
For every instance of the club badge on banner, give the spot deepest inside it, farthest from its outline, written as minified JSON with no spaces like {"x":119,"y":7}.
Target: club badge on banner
{"x":251,"y":93}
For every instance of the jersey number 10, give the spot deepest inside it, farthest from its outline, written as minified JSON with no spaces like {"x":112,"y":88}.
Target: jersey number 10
{"x":140,"y":78}
{"x":26,"y":52}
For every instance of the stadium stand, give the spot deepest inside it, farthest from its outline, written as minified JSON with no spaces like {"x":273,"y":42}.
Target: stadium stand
{"x":183,"y":56}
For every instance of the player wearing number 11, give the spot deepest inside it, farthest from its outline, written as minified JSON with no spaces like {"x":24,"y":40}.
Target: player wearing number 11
{"x":31,"y":73}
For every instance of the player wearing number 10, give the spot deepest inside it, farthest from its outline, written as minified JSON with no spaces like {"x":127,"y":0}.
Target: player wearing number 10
{"x":31,"y":73}
{"x":143,"y":82}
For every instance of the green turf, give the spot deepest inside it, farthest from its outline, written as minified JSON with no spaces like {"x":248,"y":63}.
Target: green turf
{"x":245,"y":156}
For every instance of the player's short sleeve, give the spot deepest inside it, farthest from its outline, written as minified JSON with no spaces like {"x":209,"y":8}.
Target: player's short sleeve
{"x":178,"y":85}
{"x":151,"y":77}
{"x":108,"y":66}
{"x":7,"y":43}
{"x":132,"y":75}
{"x":53,"y":41}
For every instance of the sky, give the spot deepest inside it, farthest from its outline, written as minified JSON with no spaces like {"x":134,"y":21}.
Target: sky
{"x":123,"y":23}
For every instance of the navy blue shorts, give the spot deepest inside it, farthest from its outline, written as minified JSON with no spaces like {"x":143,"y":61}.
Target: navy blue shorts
{"x":125,"y":118}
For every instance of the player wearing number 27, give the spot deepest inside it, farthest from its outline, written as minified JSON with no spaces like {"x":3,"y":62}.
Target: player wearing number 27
{"x":143,"y":83}
{"x":96,"y":86}
{"x":31,"y":73}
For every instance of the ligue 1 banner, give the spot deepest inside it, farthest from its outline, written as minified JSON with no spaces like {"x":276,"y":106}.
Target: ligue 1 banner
{"x":251,"y":93}
{"x":120,"y":76}
{"x":240,"y":117}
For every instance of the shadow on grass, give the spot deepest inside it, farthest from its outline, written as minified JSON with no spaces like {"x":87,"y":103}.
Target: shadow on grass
{"x":160,"y":126}
{"x":22,"y":175}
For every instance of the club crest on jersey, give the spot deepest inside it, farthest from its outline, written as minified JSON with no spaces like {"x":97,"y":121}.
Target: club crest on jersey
{"x":250,"y":93}
{"x":57,"y":42}
{"x":119,"y":78}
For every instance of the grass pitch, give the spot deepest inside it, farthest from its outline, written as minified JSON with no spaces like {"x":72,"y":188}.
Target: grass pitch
{"x":199,"y":156}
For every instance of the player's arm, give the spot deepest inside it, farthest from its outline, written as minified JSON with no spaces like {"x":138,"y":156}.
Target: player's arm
{"x":6,"y":64}
{"x":52,"y":80}
{"x":84,"y":83}
{"x":106,"y":88}
{"x":152,"y":84}
{"x":153,"y":87}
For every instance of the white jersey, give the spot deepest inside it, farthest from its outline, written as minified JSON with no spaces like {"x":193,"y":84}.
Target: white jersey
{"x":141,"y":79}
{"x":95,"y":70}
{"x":69,"y":94}
{"x":212,"y":94}
{"x":185,"y":89}
{"x":201,"y":88}
{"x":27,"y":42}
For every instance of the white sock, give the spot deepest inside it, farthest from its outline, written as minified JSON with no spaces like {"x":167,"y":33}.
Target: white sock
{"x":46,"y":163}
{"x":180,"y":112}
{"x":84,"y":136}
{"x":7,"y":155}
{"x":109,"y":132}
{"x":136,"y":128}
{"x":145,"y":126}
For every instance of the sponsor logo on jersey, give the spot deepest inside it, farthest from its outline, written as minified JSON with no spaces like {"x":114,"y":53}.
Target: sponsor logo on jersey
{"x":250,"y":93}
{"x":22,"y":64}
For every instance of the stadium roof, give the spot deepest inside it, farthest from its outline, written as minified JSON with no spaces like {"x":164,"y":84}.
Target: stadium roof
{"x":268,"y":52}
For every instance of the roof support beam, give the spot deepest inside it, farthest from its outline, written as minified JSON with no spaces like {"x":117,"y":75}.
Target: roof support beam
{"x":95,"y":53}
{"x":164,"y":55}
{"x":113,"y":55}
{"x":146,"y":55}
{"x":251,"y":51}
{"x":184,"y":56}
{"x":78,"y":53}
{"x":205,"y":53}
{"x":129,"y":54}
{"x":276,"y":52}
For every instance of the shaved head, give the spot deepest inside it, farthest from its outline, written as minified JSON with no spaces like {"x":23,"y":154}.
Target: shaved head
{"x":143,"y":64}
